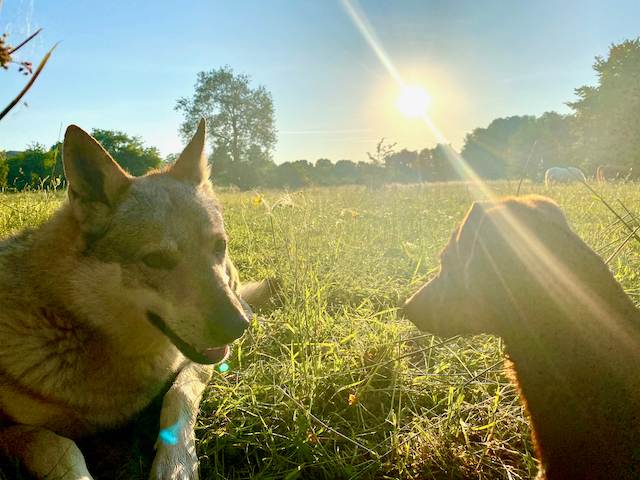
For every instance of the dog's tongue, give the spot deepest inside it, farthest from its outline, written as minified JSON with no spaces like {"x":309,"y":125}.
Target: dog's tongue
{"x":217,"y":354}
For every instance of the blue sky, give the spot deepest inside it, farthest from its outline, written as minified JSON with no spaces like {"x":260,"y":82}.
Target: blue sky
{"x":123,"y":64}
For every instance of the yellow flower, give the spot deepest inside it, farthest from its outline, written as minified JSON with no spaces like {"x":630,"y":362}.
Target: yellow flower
{"x":352,"y":399}
{"x":354,"y":214}
{"x":258,"y":200}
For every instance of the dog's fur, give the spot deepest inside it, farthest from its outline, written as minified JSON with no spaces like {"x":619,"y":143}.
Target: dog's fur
{"x":515,"y":269}
{"x":127,"y":288}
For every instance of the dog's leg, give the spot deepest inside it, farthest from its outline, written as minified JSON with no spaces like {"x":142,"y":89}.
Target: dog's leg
{"x":44,"y":453}
{"x":176,"y":457}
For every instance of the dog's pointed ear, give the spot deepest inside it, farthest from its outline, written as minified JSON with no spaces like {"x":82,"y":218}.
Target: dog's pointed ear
{"x":192,"y":166}
{"x":96,"y":181}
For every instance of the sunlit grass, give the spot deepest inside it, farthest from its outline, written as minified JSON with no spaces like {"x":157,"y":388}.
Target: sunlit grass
{"x":332,"y":384}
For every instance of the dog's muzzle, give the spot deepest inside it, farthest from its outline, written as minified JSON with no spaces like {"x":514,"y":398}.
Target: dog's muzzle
{"x":209,"y":355}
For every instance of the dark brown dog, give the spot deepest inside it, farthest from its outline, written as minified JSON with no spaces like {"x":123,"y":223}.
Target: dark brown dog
{"x":515,"y":269}
{"x":617,"y":172}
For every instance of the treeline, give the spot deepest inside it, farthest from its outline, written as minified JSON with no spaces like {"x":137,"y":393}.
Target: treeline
{"x":604,"y":128}
{"x":39,"y":167}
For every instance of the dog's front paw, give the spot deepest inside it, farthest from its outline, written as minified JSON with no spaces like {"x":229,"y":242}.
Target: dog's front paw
{"x":176,"y":457}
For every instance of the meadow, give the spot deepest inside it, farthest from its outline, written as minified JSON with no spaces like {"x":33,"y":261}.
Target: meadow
{"x":331,"y":382}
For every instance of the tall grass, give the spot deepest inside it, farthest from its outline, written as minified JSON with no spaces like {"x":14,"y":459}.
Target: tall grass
{"x":331,"y":383}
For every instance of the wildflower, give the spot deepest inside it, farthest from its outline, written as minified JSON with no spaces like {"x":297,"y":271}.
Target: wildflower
{"x":258,"y":200}
{"x":354,"y":214}
{"x":352,"y":399}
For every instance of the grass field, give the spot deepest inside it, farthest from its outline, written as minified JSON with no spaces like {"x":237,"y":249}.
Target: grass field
{"x":332,"y":383}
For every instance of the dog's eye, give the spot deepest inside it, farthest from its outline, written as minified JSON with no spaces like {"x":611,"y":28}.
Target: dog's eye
{"x":220,"y":246}
{"x":159,"y":260}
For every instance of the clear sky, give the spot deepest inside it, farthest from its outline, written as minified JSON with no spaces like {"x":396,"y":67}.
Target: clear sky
{"x":122,"y":64}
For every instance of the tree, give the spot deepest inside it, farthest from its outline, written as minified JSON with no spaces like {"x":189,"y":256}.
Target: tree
{"x":371,"y":175}
{"x":323,"y":172}
{"x":346,"y":172}
{"x":34,"y":167}
{"x":423,"y":166}
{"x":129,"y":152}
{"x":551,"y":134}
{"x":485,"y":149}
{"x":239,"y":118}
{"x":607,"y":117}
{"x":290,"y":175}
{"x":443,"y":170}
{"x":399,"y":166}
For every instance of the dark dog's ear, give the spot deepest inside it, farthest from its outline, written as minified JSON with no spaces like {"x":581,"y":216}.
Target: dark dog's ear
{"x":96,"y":181}
{"x":192,"y":166}
{"x":468,"y":230}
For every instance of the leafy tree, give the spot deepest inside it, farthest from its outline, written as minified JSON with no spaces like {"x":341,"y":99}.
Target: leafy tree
{"x":239,"y":118}
{"x":442,"y":168}
{"x":290,"y":175}
{"x":423,"y":166}
{"x":551,"y":134}
{"x":371,"y":175}
{"x":346,"y":172}
{"x":608,"y":116}
{"x":323,"y":172}
{"x":249,"y":173}
{"x":129,"y":152}
{"x":33,"y":167}
{"x":485,"y":149}
{"x":246,"y":174}
{"x":399,"y":166}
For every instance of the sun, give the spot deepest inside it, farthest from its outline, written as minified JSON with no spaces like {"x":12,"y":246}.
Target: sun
{"x":413,"y":101}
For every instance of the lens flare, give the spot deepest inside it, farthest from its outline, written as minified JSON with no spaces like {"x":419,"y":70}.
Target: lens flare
{"x":561,"y":283}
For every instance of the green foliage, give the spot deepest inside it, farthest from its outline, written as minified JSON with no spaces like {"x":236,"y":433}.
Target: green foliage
{"x":36,"y":167}
{"x":241,"y":125}
{"x":4,"y":169}
{"x":485,"y":149}
{"x":405,"y":166}
{"x":607,"y":117}
{"x":129,"y":152}
{"x":553,"y":139}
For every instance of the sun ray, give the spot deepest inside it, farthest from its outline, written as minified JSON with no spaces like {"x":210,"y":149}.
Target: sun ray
{"x":368,"y":33}
{"x":359,"y":19}
{"x":560,"y":282}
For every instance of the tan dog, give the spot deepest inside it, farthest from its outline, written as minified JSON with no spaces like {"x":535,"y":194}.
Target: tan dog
{"x":515,"y":269}
{"x":126,"y":288}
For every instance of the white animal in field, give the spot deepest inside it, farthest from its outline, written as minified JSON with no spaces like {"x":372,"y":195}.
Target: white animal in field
{"x":563,"y":175}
